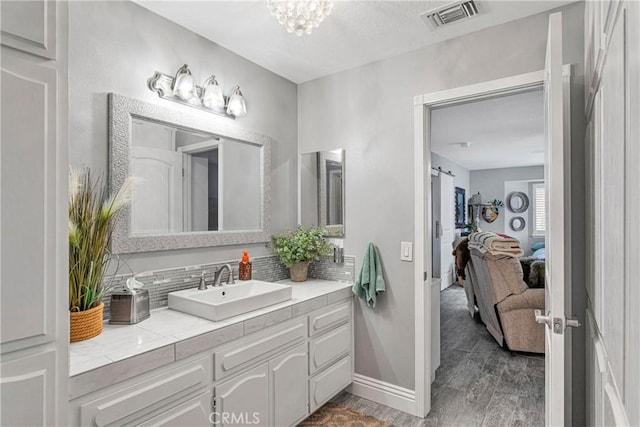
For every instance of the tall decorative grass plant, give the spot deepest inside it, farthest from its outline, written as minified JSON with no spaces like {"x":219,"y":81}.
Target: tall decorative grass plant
{"x":92,"y":210}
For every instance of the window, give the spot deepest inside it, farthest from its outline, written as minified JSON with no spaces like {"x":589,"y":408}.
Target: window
{"x":539,"y":203}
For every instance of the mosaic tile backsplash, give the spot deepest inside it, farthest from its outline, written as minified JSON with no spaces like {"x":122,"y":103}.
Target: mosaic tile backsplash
{"x":266,"y":268}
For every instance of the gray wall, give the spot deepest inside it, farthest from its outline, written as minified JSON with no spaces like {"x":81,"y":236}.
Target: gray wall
{"x":116,"y":46}
{"x":369,"y":112}
{"x":490,"y":184}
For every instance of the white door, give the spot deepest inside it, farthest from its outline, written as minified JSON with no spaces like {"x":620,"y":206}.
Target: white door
{"x":443,"y":228}
{"x":242,"y":401}
{"x":557,"y":379}
{"x":447,"y":224}
{"x":435,"y":225}
{"x":157,"y":203}
{"x":288,"y":378}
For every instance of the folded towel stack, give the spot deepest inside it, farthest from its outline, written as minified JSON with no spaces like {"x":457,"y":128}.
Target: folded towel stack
{"x":495,"y":244}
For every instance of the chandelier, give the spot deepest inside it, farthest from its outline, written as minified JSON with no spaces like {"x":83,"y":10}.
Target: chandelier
{"x":301,"y":16}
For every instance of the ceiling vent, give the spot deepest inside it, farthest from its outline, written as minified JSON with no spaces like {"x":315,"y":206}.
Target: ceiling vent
{"x":450,"y":13}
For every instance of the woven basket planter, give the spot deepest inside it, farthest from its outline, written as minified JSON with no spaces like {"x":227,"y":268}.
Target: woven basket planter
{"x":298,"y":271}
{"x":85,"y":324}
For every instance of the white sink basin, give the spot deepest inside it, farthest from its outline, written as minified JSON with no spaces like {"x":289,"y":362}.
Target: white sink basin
{"x":227,"y":301}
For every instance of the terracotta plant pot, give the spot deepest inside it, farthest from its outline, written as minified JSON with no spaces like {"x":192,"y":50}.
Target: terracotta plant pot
{"x":85,"y":324}
{"x":298,"y":271}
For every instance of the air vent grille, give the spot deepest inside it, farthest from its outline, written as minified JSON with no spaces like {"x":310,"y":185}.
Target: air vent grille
{"x":450,"y":13}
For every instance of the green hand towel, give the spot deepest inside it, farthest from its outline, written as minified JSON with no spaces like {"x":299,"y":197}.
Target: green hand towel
{"x":371,"y":281}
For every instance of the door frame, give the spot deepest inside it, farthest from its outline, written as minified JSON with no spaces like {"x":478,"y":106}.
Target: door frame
{"x":423,"y":104}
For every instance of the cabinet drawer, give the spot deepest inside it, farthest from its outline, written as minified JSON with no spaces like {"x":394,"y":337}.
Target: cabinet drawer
{"x":195,"y":412}
{"x":328,"y":383}
{"x":329,"y":347}
{"x":259,"y":346}
{"x":329,"y":317}
{"x":138,"y":399}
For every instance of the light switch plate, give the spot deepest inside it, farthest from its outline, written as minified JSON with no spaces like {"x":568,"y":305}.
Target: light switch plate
{"x":406,"y":251}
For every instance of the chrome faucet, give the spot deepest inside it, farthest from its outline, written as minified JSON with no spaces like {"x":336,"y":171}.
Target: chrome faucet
{"x":217,"y":278}
{"x":202,"y":285}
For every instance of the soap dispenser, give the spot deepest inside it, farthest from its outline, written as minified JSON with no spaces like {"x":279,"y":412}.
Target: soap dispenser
{"x":244,"y":269}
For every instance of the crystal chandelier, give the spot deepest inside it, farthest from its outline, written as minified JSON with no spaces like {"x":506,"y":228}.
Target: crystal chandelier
{"x":301,"y":16}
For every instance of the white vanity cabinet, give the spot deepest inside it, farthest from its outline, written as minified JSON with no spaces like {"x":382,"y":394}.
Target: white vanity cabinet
{"x":273,"y":377}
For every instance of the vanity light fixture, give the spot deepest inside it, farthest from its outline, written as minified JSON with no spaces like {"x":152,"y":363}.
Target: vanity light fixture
{"x":183,"y":90}
{"x":212,"y":96}
{"x":184,"y":87}
{"x":237,"y":106}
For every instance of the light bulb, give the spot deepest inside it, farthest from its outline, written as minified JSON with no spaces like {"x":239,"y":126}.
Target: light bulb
{"x":212,"y":96}
{"x":237,"y":106}
{"x":183,"y":85}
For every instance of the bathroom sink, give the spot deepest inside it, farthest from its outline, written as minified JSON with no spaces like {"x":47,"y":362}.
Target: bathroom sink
{"x":227,"y":301}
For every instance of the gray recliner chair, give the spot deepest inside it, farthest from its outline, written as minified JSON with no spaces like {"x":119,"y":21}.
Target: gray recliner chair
{"x":505,"y":303}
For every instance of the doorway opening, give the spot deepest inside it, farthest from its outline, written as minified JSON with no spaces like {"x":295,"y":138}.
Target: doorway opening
{"x":487,"y":169}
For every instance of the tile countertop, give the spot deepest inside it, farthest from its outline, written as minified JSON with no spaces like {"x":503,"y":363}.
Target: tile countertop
{"x":166,"y":327}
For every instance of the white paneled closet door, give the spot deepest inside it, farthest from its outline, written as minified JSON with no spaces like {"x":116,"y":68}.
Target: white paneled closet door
{"x":33,"y":214}
{"x":612,"y":63}
{"x":447,"y":229}
{"x":443,"y":228}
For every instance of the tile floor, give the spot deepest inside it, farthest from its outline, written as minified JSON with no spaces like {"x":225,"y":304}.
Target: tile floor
{"x":478,"y":383}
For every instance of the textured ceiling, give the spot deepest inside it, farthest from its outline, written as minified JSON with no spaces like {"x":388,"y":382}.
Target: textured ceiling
{"x":503,"y":132}
{"x":356,"y":33}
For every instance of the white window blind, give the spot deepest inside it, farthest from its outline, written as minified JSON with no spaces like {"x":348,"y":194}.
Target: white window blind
{"x":539,"y":203}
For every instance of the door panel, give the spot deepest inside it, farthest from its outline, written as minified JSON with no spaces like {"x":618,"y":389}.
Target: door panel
{"x":288,"y":377}
{"x":30,"y":26}
{"x":435,"y":226}
{"x":26,"y":387}
{"x":557,"y":378}
{"x":612,"y":191}
{"x":612,"y":153}
{"x":241,"y":400}
{"x":28,"y":202}
{"x":447,"y":224}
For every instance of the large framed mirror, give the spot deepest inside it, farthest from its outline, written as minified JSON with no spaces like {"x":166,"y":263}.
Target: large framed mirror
{"x":322,"y":191}
{"x":198,"y":181}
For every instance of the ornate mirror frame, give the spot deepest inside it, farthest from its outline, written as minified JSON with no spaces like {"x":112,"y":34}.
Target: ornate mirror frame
{"x":121,"y":112}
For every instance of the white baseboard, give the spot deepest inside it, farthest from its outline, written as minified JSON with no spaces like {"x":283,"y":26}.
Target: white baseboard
{"x":384,"y":393}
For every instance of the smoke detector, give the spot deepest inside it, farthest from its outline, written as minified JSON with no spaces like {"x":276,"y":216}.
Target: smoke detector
{"x":452,"y":12}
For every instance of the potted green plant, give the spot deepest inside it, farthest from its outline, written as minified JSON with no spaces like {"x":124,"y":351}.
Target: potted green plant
{"x":297,"y":249}
{"x":92,"y":210}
